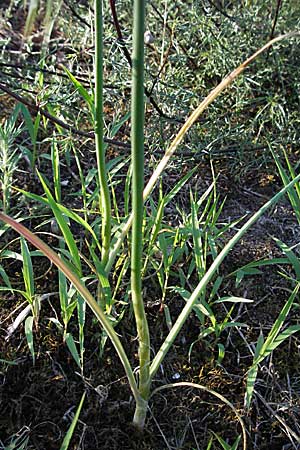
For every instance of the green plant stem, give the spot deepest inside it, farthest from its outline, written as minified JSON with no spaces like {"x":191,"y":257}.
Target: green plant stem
{"x":165,"y":347}
{"x":99,"y":138}
{"x":137,"y":144}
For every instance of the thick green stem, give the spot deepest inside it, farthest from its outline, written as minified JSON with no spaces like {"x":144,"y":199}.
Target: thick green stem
{"x":140,"y":413}
{"x":99,"y":138}
{"x":137,"y":143}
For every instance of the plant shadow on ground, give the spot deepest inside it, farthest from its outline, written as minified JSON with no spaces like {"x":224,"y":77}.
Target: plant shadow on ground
{"x":40,"y":400}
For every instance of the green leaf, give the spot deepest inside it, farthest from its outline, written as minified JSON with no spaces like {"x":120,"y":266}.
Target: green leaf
{"x":28,"y":121}
{"x":63,"y":226}
{"x":245,"y":271}
{"x":293,"y":259}
{"x":65,"y":211}
{"x":259,"y":345}
{"x":288,"y":332}
{"x":9,"y":363}
{"x":5,"y":277}
{"x":56,"y":170}
{"x":178,"y":186}
{"x":73,"y":349}
{"x":278,"y":323}
{"x":226,"y":446}
{"x":27,"y":269}
{"x":116,"y":126}
{"x":221,"y":353}
{"x":293,"y":192}
{"x":251,"y":378}
{"x":68,"y":436}
{"x":82,"y":91}
{"x":273,"y":340}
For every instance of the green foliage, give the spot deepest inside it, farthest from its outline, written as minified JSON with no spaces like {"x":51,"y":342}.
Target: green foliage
{"x":9,"y":157}
{"x":225,"y":445}
{"x":265,"y":347}
{"x":69,"y":434}
{"x":287,"y":174}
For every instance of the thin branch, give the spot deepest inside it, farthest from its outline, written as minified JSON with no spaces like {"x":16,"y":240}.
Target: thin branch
{"x":75,"y":13}
{"x":278,"y":6}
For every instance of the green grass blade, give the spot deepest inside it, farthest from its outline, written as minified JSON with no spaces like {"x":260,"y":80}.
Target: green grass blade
{"x":157,"y":224}
{"x":291,"y":256}
{"x":115,"y":128}
{"x":63,"y":294}
{"x":66,"y":212}
{"x":233,"y":299}
{"x":63,"y":226}
{"x":81,"y":309}
{"x":68,"y":436}
{"x":73,"y":349}
{"x":251,"y":379}
{"x":178,"y":186}
{"x":82,"y":91}
{"x":226,"y":446}
{"x":28,"y":121}
{"x":288,"y":332}
{"x":56,"y":170}
{"x":27,"y":269}
{"x":5,"y":277}
{"x":197,"y":240}
{"x":293,"y":193}
{"x":265,"y":347}
{"x":293,"y":174}
{"x":278,"y":325}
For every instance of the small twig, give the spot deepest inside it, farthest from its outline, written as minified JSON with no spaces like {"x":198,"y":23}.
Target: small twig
{"x":159,"y":429}
{"x":166,"y":57}
{"x":46,"y":71}
{"x":119,"y":32}
{"x":278,"y":6}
